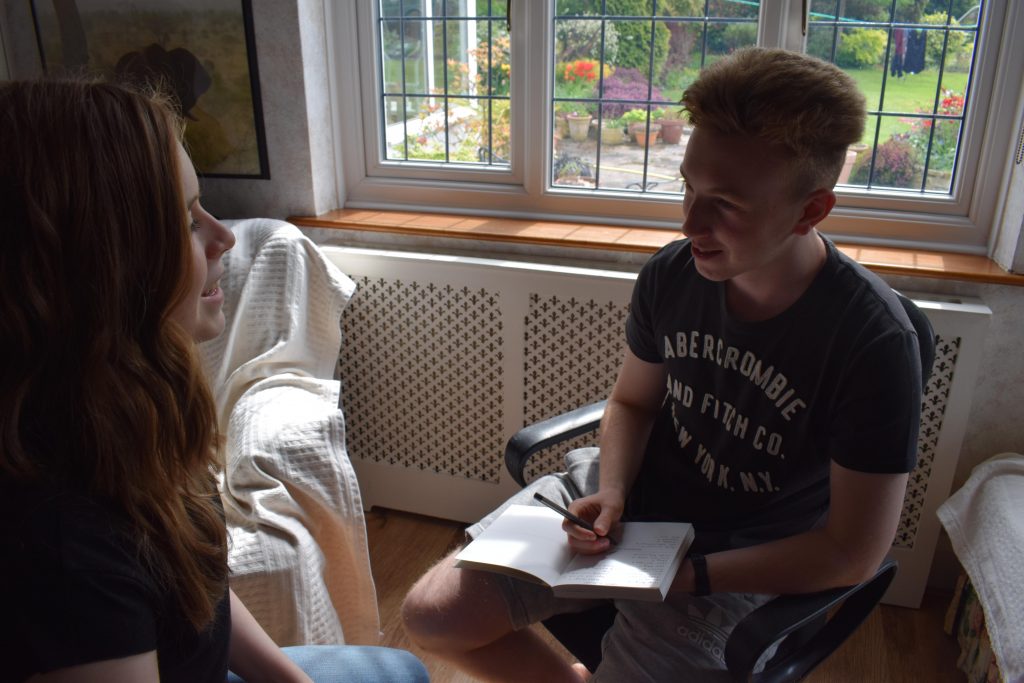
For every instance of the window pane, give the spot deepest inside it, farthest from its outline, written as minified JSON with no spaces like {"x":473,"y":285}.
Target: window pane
{"x":422,"y":58}
{"x":626,"y":7}
{"x":913,"y":64}
{"x":391,"y":57}
{"x":473,"y":138}
{"x":426,"y":129}
{"x":943,"y":154}
{"x":618,"y":79}
{"x":445,"y":78}
{"x":462,"y":63}
{"x":498,"y":8}
{"x":492,"y":53}
{"x":395,"y":130}
{"x":578,"y":7}
{"x":847,"y":11}
{"x":391,"y":8}
{"x":734,"y":9}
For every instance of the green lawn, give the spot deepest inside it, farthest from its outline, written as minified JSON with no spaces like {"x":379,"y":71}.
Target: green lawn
{"x":906,"y":95}
{"x":909,"y":94}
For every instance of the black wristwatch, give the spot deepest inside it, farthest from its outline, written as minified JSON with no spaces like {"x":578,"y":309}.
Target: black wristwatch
{"x":701,"y":582}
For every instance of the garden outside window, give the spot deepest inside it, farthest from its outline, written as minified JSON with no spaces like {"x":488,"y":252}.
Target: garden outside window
{"x":569,"y":108}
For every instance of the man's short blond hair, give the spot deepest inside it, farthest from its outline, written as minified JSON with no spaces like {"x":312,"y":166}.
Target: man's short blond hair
{"x":807,"y":106}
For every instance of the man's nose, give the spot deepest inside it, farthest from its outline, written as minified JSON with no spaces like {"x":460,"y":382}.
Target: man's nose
{"x":695,"y":220}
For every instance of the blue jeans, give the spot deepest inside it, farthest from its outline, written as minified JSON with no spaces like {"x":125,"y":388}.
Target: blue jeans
{"x":354,"y":664}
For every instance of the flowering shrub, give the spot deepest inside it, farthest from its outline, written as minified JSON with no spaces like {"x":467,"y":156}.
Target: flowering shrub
{"x":947,"y":132}
{"x":579,"y":79}
{"x":629,"y":85}
{"x":952,"y":103}
{"x":498,"y":56}
{"x":896,"y":165}
{"x":467,"y":134}
{"x":956,"y":48}
{"x":860,"y":47}
{"x":472,"y":124}
{"x":579,"y":38}
{"x":580,"y":70}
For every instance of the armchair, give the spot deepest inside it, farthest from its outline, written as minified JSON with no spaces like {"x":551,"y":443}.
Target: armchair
{"x":808,"y":627}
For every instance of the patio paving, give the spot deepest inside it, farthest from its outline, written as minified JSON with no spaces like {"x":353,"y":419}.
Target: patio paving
{"x":622,"y":165}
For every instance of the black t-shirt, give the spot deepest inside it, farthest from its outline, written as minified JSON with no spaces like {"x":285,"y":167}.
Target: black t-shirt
{"x":76,"y":592}
{"x":755,"y":411}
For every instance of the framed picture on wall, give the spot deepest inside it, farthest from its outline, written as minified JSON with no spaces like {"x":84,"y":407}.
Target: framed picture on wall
{"x":202,"y":52}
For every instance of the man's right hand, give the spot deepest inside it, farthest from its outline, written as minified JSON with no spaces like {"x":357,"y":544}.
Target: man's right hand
{"x":602,"y":509}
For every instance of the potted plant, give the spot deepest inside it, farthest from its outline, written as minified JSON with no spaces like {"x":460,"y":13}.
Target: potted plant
{"x":671,"y":126}
{"x":613,"y":131}
{"x":572,"y":170}
{"x":579,"y":125}
{"x":561,"y":125}
{"x":636,"y":122}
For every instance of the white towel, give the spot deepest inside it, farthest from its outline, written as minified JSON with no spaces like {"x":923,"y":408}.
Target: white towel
{"x":985,"y":523}
{"x":298,"y":549}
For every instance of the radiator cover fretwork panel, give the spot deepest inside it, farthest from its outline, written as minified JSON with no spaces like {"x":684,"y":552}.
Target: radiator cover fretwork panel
{"x":572,"y":353}
{"x":933,"y":409}
{"x":422,"y":377}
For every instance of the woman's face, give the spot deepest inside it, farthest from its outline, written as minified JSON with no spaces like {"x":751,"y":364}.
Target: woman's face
{"x":200,"y":311}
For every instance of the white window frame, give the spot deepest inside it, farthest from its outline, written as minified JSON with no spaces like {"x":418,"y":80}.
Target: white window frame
{"x":963,"y":222}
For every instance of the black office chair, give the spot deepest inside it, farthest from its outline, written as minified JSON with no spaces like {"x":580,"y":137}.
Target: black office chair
{"x":808,"y":627}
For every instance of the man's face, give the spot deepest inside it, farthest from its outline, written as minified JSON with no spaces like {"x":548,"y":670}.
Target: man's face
{"x":740,"y":210}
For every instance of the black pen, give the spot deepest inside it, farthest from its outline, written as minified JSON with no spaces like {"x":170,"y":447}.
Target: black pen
{"x":578,"y":521}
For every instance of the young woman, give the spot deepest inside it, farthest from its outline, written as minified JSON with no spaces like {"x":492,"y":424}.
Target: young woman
{"x":114,"y":565}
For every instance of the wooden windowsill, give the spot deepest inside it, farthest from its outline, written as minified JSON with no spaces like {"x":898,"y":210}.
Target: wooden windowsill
{"x":883,"y":260}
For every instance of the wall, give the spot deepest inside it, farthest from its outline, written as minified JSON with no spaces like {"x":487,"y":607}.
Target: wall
{"x":293,"y":52}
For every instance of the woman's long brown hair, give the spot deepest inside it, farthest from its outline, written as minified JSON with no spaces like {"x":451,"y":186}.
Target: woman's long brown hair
{"x":99,"y":390}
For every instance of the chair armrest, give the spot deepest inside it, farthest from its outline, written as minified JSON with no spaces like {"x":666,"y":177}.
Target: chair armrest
{"x":539,"y":435}
{"x":788,"y":614}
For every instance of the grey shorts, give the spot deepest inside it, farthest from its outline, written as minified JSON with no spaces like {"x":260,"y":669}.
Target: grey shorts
{"x":681,"y":639}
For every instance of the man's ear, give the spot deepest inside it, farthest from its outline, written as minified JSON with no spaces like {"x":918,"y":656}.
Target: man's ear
{"x":817,"y":206}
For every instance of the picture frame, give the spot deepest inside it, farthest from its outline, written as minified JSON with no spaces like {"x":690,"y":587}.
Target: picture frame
{"x":201,"y":52}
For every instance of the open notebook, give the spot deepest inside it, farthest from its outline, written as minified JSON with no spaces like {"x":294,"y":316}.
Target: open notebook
{"x":527,"y":541}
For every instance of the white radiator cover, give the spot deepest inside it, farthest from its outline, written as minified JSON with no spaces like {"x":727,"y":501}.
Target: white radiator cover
{"x":443,"y":358}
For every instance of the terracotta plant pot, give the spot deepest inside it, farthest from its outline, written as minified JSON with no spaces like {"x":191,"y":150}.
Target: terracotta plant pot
{"x":642,"y":136}
{"x":671,"y":131}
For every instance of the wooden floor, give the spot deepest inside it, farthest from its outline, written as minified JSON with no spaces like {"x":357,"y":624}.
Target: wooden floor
{"x":894,"y":645}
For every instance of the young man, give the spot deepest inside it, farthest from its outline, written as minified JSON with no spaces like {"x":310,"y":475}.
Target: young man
{"x":770,"y":395}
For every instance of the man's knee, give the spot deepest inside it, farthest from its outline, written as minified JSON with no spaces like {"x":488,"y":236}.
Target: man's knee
{"x":451,"y":609}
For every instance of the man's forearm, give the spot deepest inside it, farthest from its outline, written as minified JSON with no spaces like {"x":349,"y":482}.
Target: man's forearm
{"x":625,"y":430}
{"x":804,"y":563}
{"x":864,"y":511}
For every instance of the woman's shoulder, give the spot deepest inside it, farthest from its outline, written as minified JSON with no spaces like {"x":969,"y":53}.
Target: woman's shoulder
{"x":79,"y":591}
{"x":60,"y":530}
